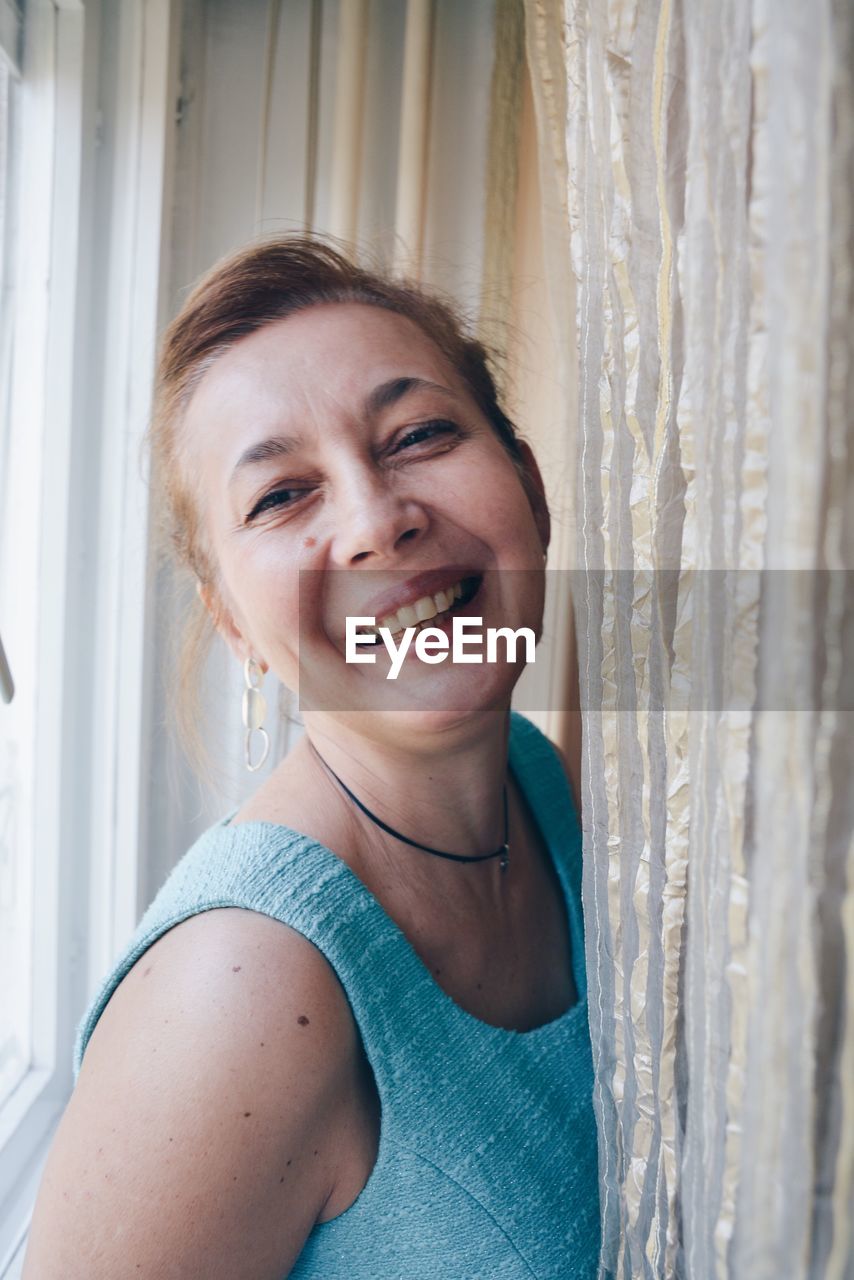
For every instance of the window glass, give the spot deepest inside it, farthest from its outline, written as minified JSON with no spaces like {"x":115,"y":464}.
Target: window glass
{"x":19,"y":488}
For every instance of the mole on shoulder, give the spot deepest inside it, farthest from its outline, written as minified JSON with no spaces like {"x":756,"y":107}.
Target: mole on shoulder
{"x":302,"y":1020}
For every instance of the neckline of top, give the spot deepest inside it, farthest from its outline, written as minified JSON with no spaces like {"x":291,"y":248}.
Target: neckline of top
{"x":550,"y":828}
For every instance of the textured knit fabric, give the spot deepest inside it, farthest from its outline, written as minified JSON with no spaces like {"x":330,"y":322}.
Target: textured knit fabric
{"x":487,"y":1161}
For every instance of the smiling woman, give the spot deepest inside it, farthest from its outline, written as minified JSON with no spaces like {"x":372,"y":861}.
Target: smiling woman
{"x":350,"y":1036}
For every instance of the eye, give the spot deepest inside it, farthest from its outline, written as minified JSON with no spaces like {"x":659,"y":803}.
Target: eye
{"x":426,"y":431}
{"x":272,"y":501}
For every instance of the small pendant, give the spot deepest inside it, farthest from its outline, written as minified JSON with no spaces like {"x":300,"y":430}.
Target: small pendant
{"x":503,"y":860}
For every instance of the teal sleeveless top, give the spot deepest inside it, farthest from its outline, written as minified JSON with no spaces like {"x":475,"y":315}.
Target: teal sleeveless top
{"x":487,"y":1163}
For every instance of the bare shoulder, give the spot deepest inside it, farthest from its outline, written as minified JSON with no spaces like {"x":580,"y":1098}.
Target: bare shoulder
{"x":205,"y":1114}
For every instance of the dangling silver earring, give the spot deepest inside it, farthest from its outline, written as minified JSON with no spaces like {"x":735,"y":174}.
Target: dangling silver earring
{"x":254,"y":710}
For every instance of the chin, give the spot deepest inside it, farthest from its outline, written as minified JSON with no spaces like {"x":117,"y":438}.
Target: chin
{"x":427,"y":702}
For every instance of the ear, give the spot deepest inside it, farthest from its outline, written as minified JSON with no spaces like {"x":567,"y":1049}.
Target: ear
{"x":223,"y":620}
{"x":536,"y":493}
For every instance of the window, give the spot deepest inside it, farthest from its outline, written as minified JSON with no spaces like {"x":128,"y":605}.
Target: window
{"x":17,"y":623}
{"x":39,"y":181}
{"x":81,"y":170}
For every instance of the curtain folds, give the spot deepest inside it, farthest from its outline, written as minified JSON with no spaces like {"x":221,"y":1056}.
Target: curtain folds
{"x":706,"y":155}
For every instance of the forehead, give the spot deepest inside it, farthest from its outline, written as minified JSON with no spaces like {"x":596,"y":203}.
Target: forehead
{"x":328,"y":355}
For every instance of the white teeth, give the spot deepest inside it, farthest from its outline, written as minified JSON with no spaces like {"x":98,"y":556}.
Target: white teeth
{"x":425,"y":608}
{"x":422,"y":610}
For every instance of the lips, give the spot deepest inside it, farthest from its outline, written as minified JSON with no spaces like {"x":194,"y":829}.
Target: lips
{"x":427,"y":583}
{"x":429,"y":611}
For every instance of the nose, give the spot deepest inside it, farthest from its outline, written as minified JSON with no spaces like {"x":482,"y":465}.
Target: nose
{"x":374,"y":521}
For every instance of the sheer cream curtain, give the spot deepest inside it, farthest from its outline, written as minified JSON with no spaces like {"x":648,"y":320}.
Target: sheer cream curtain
{"x":704,"y":158}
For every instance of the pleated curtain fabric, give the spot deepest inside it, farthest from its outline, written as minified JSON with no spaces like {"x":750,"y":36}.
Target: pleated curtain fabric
{"x":707,"y":151}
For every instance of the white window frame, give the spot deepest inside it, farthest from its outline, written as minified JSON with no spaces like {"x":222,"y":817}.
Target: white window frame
{"x":93,"y":673}
{"x":134,"y":293}
{"x":44,"y":312}
{"x":10,"y":33}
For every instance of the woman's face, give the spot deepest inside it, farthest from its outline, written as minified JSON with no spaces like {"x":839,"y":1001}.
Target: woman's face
{"x":337,"y":455}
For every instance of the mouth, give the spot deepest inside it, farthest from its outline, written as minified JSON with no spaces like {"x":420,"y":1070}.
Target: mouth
{"x":431,"y":610}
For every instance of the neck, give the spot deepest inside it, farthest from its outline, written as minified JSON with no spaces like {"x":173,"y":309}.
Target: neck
{"x":441,"y":785}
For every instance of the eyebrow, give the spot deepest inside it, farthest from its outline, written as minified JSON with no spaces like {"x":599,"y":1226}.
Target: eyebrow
{"x":389,"y":393}
{"x":384,"y":396}
{"x":265,"y":451}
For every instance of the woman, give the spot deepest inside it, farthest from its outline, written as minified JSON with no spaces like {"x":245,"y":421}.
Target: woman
{"x":350,"y":1036}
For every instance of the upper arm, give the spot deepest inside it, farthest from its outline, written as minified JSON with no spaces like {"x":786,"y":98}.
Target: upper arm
{"x":199,"y":1140}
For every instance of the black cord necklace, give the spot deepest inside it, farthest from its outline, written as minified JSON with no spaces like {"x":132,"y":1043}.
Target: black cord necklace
{"x":503,"y":852}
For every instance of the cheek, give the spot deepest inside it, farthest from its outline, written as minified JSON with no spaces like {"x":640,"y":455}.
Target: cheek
{"x":500,"y":497}
{"x":486,"y":477}
{"x":264,"y":585}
